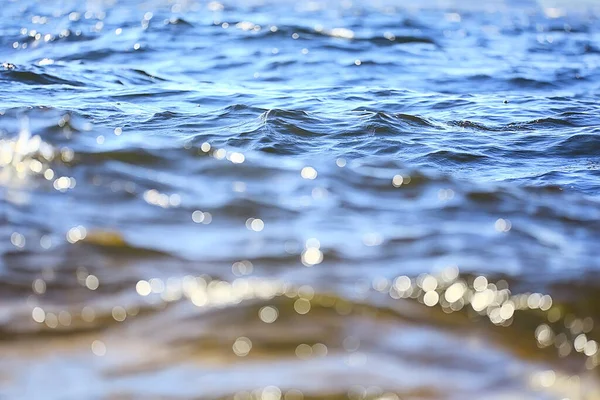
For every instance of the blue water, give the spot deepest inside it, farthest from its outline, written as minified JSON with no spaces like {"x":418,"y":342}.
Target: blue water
{"x":299,"y":199}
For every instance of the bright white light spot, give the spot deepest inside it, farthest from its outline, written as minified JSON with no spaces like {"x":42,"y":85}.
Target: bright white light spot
{"x":220,"y":154}
{"x":502,"y":225}
{"x":245,"y":25}
{"x":63,"y":183}
{"x":397,"y":180}
{"x":308,"y":173}
{"x":343,"y":33}
{"x":237,"y":158}
{"x":312,"y":256}
{"x":455,"y":292}
{"x":92,"y":282}
{"x":429,"y":283}
{"x":431,"y":298}
{"x":580,"y":342}
{"x":480,"y":283}
{"x":143,"y":288}
{"x":38,"y":315}
{"x":257,"y":225}
{"x":590,"y":348}
{"x":507,"y":310}
{"x":271,"y":393}
{"x":197,"y":216}
{"x":402,"y":283}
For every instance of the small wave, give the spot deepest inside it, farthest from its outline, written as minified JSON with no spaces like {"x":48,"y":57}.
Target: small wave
{"x":578,"y":145}
{"x":415,"y":119}
{"x":302,"y":32}
{"x":471,"y":125}
{"x":522,"y":82}
{"x":179,"y":22}
{"x":34,"y":77}
{"x":547,"y":122}
{"x":455,"y":157}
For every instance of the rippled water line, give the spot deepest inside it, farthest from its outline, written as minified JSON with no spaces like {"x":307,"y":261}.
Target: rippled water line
{"x":449,"y":290}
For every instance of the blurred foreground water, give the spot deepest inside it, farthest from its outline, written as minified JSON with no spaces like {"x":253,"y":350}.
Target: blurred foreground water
{"x":299,"y":200}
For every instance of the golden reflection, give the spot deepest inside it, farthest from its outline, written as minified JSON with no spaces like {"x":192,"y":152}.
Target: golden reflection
{"x":302,"y":306}
{"x":304,"y":351}
{"x":51,"y":320}
{"x":446,"y":289}
{"x":88,"y":314}
{"x":119,"y":314}
{"x":98,"y":348}
{"x":242,"y":346}
{"x":64,"y":318}
{"x":268,"y":314}
{"x":293,"y":394}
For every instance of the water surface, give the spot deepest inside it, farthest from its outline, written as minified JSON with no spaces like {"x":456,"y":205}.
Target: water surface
{"x":287,"y":200}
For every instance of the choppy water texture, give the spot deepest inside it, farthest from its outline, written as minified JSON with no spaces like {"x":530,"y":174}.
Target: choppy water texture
{"x":286,"y":200}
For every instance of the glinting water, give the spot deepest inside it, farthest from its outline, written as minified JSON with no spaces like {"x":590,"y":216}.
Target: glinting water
{"x":299,"y":199}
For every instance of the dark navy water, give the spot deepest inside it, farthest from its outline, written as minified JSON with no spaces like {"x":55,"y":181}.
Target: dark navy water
{"x":299,"y":199}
